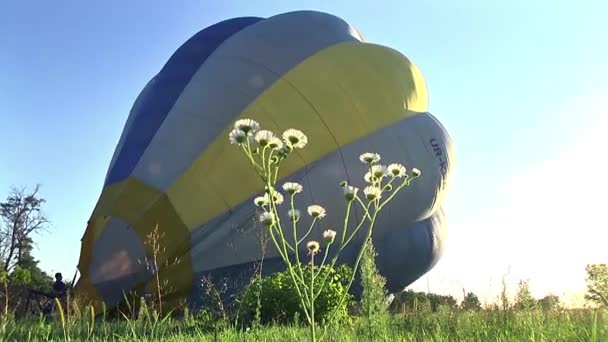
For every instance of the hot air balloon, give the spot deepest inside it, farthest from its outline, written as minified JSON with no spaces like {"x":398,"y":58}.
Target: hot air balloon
{"x":174,"y":170}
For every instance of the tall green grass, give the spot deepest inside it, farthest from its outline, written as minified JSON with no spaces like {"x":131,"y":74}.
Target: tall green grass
{"x":442,"y":325}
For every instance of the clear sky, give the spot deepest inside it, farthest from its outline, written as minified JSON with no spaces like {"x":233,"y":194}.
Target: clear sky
{"x":521,"y":87}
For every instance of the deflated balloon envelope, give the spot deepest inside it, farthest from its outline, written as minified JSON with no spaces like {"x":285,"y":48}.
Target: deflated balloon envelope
{"x":174,"y":169}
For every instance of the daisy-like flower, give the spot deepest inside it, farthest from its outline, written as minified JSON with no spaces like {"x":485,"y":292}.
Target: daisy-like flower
{"x":237,"y":136}
{"x":247,"y":125}
{"x":292,"y":187}
{"x":260,"y":201}
{"x":329,"y":235}
{"x":316,"y":211}
{"x":313,"y":247}
{"x":277,"y":197}
{"x":263,"y":137}
{"x":295,"y":138}
{"x":379,"y":171}
{"x":368,"y":177}
{"x":294,"y":214}
{"x":350,"y":192}
{"x":369,"y":158}
{"x":275,"y":143}
{"x":267,"y":219}
{"x":416,"y":172}
{"x":372,"y":192}
{"x":396,"y":170}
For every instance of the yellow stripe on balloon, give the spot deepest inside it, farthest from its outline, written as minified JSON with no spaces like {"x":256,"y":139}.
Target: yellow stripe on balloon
{"x":127,"y":199}
{"x":142,"y":207}
{"x":335,"y":97}
{"x":99,"y":223}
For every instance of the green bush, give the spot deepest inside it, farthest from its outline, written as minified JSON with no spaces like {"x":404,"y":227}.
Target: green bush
{"x":373,"y":297}
{"x":279,"y":302}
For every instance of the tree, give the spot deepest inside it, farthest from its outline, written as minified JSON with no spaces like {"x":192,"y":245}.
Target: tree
{"x":38,"y":278}
{"x":523,"y":297}
{"x":549,"y":302}
{"x":420,"y":301}
{"x":471,"y":302}
{"x":438,"y":300}
{"x":22,"y":216}
{"x":597,"y":284}
{"x":411,"y":300}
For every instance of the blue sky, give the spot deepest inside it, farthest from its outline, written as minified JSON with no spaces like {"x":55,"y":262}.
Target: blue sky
{"x":521,"y":87}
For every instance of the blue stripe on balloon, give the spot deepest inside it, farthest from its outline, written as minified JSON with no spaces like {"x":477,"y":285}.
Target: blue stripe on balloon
{"x":166,"y":89}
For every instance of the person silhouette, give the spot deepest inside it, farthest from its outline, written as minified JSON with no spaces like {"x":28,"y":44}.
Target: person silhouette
{"x":59,"y":287}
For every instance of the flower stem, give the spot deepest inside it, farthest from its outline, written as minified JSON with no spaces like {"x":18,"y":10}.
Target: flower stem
{"x":314,"y":220}
{"x":346,"y":222}
{"x":295,"y":238}
{"x":312,"y":297}
{"x":352,"y":278}
{"x":352,"y":235}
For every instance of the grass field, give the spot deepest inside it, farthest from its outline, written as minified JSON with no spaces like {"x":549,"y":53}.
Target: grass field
{"x":443,"y":325}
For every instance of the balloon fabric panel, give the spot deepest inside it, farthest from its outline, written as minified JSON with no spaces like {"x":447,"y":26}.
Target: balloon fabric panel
{"x":165,"y":89}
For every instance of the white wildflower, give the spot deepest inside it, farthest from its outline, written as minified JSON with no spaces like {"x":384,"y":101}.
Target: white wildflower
{"x":294,"y":214}
{"x":263,"y":137}
{"x":329,"y":235}
{"x":313,"y":247}
{"x":369,"y":158}
{"x":260,"y":201}
{"x":275,"y":143}
{"x":277,"y":197}
{"x":292,"y":187}
{"x":379,"y":171}
{"x":295,"y":138}
{"x":267,"y":218}
{"x":350,"y":192}
{"x":372,"y":192}
{"x":316,"y":211}
{"x":247,"y":125}
{"x":396,"y":170}
{"x":416,"y":172}
{"x":237,"y":136}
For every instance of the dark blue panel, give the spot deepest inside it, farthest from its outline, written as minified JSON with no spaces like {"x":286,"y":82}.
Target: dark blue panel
{"x":407,"y":252}
{"x":165,"y":90}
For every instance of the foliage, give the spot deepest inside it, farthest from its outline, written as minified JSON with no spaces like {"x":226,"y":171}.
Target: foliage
{"x":39,"y":279}
{"x":265,"y":152}
{"x":410,"y":300}
{"x":523,"y":297}
{"x":20,"y":276}
{"x":471,"y":302}
{"x":373,"y":299}
{"x":279,"y":302}
{"x":438,"y":301}
{"x":11,"y":285}
{"x":22,"y":217}
{"x":597,"y":284}
{"x":549,"y":302}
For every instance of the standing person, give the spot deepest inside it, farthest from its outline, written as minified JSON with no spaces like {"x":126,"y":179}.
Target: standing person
{"x":59,"y":287}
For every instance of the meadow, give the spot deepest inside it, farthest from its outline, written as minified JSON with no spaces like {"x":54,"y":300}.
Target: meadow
{"x":440,"y":325}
